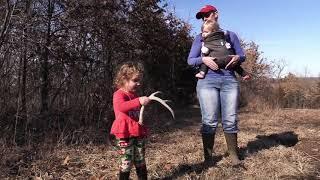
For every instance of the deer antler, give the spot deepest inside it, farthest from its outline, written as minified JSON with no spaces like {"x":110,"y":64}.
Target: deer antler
{"x":155,"y":98}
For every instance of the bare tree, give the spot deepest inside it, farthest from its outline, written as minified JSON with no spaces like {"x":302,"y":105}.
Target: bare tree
{"x":58,"y":59}
{"x":6,"y":23}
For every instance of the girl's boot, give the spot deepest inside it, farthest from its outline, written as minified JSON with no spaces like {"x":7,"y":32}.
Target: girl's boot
{"x":142,"y":173}
{"x":124,"y":175}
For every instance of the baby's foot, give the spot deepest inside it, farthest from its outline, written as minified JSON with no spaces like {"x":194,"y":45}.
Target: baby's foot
{"x":246,"y":77}
{"x":200,"y":75}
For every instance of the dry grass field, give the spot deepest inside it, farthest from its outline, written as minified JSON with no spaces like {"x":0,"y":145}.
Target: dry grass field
{"x":274,"y":144}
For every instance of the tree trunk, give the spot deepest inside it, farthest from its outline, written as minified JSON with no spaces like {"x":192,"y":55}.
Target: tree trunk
{"x":44,"y":70}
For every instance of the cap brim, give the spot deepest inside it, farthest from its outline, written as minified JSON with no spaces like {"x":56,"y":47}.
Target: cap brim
{"x":199,"y":15}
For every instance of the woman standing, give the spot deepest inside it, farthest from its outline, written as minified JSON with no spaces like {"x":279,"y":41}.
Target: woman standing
{"x":218,"y":92}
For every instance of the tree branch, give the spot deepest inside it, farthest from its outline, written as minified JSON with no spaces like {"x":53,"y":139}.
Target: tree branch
{"x":6,"y":22}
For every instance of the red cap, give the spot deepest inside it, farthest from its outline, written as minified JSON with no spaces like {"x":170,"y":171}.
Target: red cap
{"x":205,"y":9}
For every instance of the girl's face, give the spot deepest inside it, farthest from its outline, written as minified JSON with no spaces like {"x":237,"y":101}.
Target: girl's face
{"x":132,"y":84}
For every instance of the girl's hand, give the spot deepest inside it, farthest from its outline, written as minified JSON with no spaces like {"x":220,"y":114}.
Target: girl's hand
{"x":209,"y":61}
{"x":144,"y":100}
{"x":235,"y":59}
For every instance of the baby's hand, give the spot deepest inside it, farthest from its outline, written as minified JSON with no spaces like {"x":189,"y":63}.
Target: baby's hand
{"x":144,"y":100}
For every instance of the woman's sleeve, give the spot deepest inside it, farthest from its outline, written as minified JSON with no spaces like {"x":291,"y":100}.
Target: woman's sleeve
{"x":122,"y":105}
{"x":237,"y":46}
{"x":194,"y":58}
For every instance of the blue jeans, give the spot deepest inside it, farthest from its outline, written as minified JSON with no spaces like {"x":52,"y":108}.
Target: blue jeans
{"x":218,"y":95}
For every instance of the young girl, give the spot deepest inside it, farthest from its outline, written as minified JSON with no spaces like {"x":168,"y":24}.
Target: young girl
{"x":130,"y":135}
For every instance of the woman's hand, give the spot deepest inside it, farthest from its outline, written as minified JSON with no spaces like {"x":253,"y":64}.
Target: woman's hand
{"x":234,"y":60}
{"x":209,"y":61}
{"x":144,"y":100}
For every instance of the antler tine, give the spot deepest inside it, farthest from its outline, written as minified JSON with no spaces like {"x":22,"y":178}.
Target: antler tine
{"x":164,"y":103}
{"x":155,"y":93}
{"x":142,"y":108}
{"x":155,"y":98}
{"x":141,"y":115}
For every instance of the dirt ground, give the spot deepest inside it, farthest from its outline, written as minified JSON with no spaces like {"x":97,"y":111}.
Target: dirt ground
{"x":274,"y":144}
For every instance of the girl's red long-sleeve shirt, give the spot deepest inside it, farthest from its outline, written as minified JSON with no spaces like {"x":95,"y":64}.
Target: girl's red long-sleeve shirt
{"x":126,"y":107}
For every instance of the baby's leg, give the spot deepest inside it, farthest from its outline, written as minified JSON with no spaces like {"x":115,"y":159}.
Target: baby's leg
{"x":244,"y":74}
{"x":202,"y":71}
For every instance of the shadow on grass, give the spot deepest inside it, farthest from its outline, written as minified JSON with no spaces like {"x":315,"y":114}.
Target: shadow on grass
{"x":198,"y":168}
{"x":287,"y":139}
{"x":262,"y":142}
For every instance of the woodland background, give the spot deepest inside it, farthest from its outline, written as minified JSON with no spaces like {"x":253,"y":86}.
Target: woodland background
{"x":58,"y":59}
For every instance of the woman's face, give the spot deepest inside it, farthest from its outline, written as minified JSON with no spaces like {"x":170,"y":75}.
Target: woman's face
{"x":213,"y":16}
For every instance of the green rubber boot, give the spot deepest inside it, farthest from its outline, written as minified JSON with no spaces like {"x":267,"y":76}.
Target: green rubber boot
{"x":208,"y":143}
{"x":231,"y":139}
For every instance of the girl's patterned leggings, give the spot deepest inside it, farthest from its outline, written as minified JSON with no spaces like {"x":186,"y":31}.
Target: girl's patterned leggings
{"x":132,"y":152}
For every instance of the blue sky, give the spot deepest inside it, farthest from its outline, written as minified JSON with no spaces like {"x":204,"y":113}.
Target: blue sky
{"x":286,"y":30}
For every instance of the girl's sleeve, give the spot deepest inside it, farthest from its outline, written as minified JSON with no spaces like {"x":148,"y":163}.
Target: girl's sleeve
{"x":122,"y":105}
{"x":194,"y":58}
